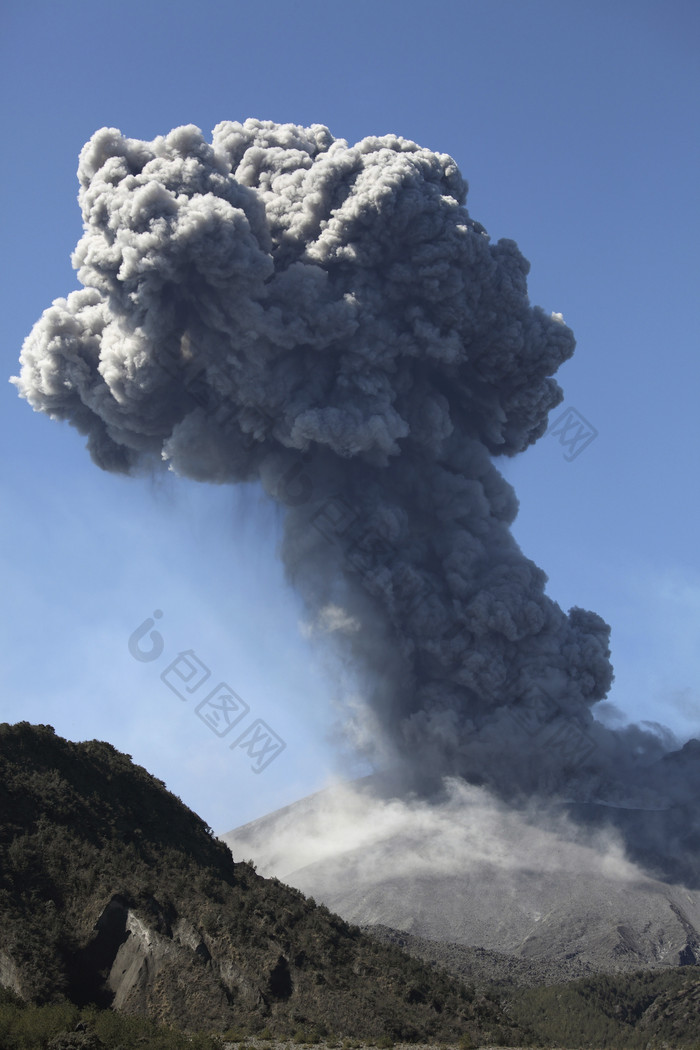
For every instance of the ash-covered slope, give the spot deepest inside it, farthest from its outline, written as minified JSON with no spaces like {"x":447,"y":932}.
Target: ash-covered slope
{"x":113,"y":892}
{"x":474,"y":872}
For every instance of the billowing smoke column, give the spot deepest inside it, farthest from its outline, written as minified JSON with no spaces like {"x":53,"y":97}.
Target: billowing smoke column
{"x":328,"y":319}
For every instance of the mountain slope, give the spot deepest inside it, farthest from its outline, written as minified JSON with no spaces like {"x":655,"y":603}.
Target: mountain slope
{"x":113,"y":892}
{"x":640,"y":1011}
{"x":628,"y":1011}
{"x":474,"y":873}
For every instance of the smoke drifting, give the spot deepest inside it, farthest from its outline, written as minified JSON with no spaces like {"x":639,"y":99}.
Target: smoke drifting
{"x":329,"y":320}
{"x":476,"y":871}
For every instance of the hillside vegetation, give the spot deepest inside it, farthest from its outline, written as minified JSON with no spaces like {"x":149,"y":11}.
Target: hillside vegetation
{"x":643,"y":1011}
{"x":113,"y":893}
{"x":124,"y":923}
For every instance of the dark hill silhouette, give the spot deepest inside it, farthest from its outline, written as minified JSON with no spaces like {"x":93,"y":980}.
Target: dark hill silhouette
{"x":112,"y":892}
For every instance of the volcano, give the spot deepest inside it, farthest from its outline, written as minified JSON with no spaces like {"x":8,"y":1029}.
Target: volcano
{"x":537,"y":887}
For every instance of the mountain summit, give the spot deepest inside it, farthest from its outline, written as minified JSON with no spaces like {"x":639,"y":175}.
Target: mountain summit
{"x":472,"y":871}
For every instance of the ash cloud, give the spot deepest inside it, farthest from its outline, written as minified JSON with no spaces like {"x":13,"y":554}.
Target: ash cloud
{"x":326,"y":319}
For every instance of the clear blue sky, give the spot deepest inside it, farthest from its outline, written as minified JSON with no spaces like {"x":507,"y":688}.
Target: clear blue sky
{"x":576,"y":126}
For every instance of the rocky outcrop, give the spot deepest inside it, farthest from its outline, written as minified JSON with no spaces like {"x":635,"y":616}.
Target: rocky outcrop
{"x":9,"y":977}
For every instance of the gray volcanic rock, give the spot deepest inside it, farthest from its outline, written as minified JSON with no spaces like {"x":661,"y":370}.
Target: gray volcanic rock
{"x":472,"y":872}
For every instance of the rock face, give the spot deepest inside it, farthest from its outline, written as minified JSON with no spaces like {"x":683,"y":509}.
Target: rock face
{"x":128,"y":953}
{"x":9,"y":977}
{"x":535,"y":889}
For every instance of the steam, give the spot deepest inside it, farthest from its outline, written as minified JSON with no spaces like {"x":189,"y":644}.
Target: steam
{"x":328,"y":320}
{"x":469,"y":830}
{"x":475,"y":871}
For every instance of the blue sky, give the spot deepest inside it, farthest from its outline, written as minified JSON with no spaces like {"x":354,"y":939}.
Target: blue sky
{"x":576,"y":127}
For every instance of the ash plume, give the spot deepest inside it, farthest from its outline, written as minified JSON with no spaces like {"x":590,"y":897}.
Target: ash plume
{"x":328,"y":320}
